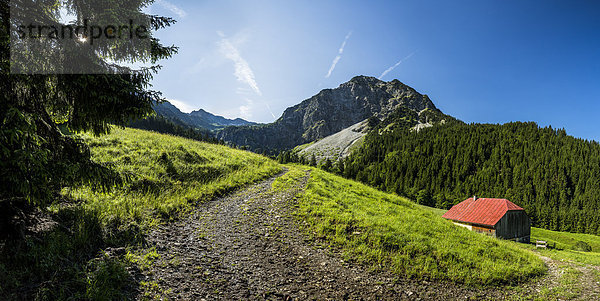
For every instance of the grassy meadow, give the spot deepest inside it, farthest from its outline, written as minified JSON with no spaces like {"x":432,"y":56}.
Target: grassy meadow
{"x":570,"y":247}
{"x":574,"y":247}
{"x":168,"y":174}
{"x":567,"y":241}
{"x":99,"y":239}
{"x":393,"y":233}
{"x":576,"y":258}
{"x":577,"y":272}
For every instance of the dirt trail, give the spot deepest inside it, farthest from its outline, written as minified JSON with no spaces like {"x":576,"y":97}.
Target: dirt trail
{"x":591,"y":282}
{"x":248,"y":246}
{"x":564,"y":280}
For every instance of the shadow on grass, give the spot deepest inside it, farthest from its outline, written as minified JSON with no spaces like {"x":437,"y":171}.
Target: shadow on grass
{"x":74,"y":258}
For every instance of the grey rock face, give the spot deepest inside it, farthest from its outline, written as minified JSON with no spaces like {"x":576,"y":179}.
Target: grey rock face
{"x":328,"y":112}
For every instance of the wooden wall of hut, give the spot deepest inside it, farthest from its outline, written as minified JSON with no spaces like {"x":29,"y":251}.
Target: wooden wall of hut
{"x":515,"y":225}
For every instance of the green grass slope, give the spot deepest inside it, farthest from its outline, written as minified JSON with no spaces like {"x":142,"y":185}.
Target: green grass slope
{"x":166,"y":176}
{"x":168,"y":173}
{"x":568,"y":247}
{"x":566,"y":240}
{"x":558,"y":239}
{"x":394,"y":233}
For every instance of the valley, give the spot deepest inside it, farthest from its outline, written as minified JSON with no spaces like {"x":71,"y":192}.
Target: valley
{"x":294,"y":150}
{"x":301,"y":233}
{"x":201,"y":219}
{"x":395,"y":139}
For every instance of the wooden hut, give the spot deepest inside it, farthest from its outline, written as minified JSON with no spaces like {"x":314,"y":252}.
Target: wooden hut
{"x":496,"y":217}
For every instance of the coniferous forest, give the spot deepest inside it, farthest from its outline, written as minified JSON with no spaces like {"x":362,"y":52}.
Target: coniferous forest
{"x":553,"y":176}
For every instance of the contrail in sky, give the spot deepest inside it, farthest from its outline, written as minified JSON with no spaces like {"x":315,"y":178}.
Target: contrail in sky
{"x":243,"y":73}
{"x":269,"y":108}
{"x":339,"y":56}
{"x":388,"y":70}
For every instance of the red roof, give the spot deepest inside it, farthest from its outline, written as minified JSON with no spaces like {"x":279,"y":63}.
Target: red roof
{"x":483,"y":211}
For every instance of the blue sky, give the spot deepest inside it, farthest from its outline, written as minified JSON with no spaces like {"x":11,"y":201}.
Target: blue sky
{"x":480,"y":61}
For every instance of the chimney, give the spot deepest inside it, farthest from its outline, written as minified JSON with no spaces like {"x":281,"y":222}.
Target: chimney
{"x":474,"y":198}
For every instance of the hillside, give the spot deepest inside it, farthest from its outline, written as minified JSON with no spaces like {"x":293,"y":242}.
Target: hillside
{"x":376,"y":227}
{"x":338,"y":145}
{"x":341,"y":144}
{"x":85,"y":246}
{"x":555,"y":177}
{"x":163,"y":125}
{"x":328,"y":112}
{"x":198,"y":119}
{"x":166,"y":226}
{"x":573,"y":262}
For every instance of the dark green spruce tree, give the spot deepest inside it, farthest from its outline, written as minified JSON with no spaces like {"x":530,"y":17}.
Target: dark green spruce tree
{"x":36,"y":158}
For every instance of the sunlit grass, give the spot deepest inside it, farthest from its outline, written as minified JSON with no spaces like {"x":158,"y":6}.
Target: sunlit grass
{"x":568,"y":246}
{"x":566,"y":240}
{"x":563,"y":245}
{"x":290,"y":179}
{"x":394,"y":233}
{"x":167,"y":174}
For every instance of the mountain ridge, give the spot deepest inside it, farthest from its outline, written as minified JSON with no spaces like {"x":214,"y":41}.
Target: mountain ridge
{"x":328,"y":112}
{"x":198,"y":118}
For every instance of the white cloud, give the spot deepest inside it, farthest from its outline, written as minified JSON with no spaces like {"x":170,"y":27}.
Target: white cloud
{"x":182,"y":106}
{"x":246,"y":110}
{"x":172,"y":8}
{"x":244,"y":91}
{"x":243,"y":73}
{"x":335,"y":61}
{"x":388,"y":70}
{"x":339,"y":56}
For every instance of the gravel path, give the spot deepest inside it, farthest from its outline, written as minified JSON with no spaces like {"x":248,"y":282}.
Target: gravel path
{"x":585,"y":287}
{"x":248,"y":246}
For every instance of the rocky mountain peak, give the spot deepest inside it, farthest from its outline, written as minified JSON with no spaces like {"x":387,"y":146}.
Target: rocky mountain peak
{"x":363,"y":79}
{"x":328,"y":112}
